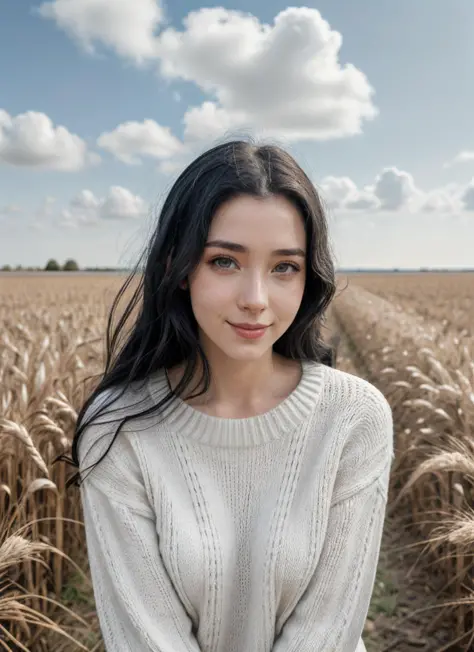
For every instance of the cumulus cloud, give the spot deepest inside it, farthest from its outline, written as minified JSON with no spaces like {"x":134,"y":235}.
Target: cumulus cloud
{"x":308,"y":94}
{"x":126,"y":26}
{"x":395,"y":190}
{"x":31,"y":139}
{"x":282,"y":80}
{"x":463,"y":157}
{"x":336,"y":190}
{"x":207,"y":122}
{"x":86,"y":209}
{"x":443,"y":200}
{"x":131,"y":140}
{"x":121,"y":204}
{"x":342,"y":192}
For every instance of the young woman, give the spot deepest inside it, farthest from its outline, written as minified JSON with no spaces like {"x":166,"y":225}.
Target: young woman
{"x":237,"y":482}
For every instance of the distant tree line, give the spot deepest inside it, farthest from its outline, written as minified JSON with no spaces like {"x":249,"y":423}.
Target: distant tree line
{"x":70,"y":265}
{"x":51,"y":266}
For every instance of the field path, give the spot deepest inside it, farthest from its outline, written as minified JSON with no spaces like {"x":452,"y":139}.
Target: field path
{"x":401,"y":586}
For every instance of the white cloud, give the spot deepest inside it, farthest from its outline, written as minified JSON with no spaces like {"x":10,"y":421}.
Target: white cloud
{"x":282,"y":80}
{"x":85,"y":209}
{"x":364,"y":200}
{"x":336,"y":190}
{"x":443,"y":200}
{"x":85,"y":200}
{"x":130,"y":140}
{"x":462,"y":157}
{"x":121,"y":204}
{"x":342,"y":193}
{"x":207,"y":122}
{"x":395,"y":189}
{"x":31,"y":139}
{"x":127,"y":26}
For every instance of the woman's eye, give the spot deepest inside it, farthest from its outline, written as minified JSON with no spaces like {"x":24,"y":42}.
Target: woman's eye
{"x":227,"y":262}
{"x":222,"y":258}
{"x":295,"y":268}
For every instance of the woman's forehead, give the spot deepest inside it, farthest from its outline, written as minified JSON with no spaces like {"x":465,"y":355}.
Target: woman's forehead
{"x":248,"y":221}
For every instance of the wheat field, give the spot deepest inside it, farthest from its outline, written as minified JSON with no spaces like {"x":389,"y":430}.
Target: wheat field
{"x":410,"y":335}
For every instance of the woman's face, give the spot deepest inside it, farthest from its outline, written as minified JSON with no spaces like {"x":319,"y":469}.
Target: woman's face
{"x":247,"y":281}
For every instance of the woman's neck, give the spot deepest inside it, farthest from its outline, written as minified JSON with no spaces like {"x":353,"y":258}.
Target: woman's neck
{"x":238,"y":390}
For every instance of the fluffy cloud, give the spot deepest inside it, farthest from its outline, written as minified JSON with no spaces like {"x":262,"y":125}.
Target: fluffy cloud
{"x":121,"y":204}
{"x":392,"y":190}
{"x":85,"y":209}
{"x":131,"y":140}
{"x":231,"y":56}
{"x":444,"y":200}
{"x":342,"y":192}
{"x":308,"y":94}
{"x":31,"y":139}
{"x":127,"y":26}
{"x":462,"y":157}
{"x":205,"y":123}
{"x":395,"y":190}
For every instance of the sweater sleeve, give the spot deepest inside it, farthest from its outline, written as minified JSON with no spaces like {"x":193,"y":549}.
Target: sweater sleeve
{"x":330,"y":615}
{"x":137,"y":606}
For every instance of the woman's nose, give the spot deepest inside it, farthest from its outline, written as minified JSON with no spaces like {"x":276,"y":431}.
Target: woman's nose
{"x":254,"y":292}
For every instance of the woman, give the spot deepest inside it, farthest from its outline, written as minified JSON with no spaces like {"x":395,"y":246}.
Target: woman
{"x":238,"y":486}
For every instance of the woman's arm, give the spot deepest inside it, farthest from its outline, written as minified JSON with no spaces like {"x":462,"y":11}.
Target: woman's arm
{"x":137,"y":605}
{"x":331,"y":614}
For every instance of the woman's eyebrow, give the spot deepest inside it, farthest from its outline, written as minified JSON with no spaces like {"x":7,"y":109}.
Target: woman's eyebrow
{"x":233,"y":246}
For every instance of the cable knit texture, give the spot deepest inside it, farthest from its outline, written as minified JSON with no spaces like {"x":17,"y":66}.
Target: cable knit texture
{"x":207,"y":534}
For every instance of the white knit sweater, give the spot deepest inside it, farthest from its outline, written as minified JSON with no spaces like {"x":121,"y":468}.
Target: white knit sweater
{"x":238,"y":535}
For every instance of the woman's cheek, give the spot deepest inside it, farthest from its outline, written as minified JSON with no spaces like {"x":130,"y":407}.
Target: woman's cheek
{"x":210,"y":293}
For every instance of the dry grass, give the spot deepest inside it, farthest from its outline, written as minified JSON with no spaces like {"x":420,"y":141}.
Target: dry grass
{"x":52,"y":339}
{"x":426,"y":371}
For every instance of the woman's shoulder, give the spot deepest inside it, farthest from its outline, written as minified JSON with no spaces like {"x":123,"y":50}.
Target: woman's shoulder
{"x":363,"y":425}
{"x":102,"y":418}
{"x":362,"y":411}
{"x":354,"y":391}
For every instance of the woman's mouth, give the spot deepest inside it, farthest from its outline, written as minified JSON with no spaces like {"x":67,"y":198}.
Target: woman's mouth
{"x":249,"y":332}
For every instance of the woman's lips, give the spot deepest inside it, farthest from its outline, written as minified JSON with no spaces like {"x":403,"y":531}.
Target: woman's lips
{"x":249,"y":333}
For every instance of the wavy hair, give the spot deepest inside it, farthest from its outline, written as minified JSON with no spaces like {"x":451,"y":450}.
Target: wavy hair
{"x":165,"y":331}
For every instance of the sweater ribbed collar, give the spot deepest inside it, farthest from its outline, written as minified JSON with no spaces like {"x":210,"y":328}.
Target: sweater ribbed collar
{"x":244,"y":432}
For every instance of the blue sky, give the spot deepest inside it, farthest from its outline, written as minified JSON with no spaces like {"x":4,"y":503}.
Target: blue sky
{"x":102,"y":104}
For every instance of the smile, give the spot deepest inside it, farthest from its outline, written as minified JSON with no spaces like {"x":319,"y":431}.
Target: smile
{"x":249,"y":333}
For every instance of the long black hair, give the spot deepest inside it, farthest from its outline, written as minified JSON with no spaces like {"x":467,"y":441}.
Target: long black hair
{"x":165,"y":331}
